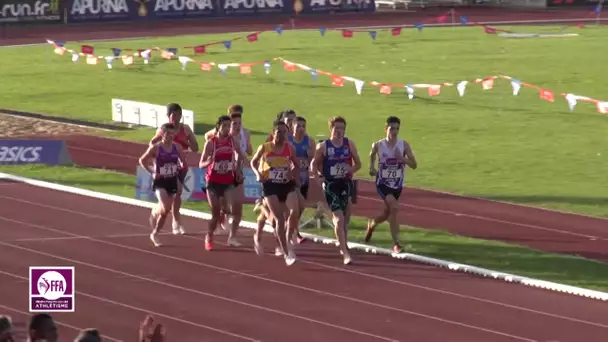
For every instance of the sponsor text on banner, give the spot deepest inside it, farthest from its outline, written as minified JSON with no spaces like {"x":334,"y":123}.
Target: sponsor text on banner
{"x":20,"y":11}
{"x":50,"y":152}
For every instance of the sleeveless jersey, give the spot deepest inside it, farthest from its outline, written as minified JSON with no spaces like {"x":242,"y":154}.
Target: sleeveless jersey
{"x":302,"y":156}
{"x":181,"y":138}
{"x":275,"y":167}
{"x":391,"y":173}
{"x":221,"y":169}
{"x":336,"y":161}
{"x":166,"y":164}
{"x":242,"y":137}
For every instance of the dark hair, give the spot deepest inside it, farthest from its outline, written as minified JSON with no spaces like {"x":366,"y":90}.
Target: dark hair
{"x":167,"y":126}
{"x":87,"y":335}
{"x":236,"y":115}
{"x":280,"y":115}
{"x":288,"y":112}
{"x":173,"y":108}
{"x":332,"y":122}
{"x":393,"y":119}
{"x":37,"y":321}
{"x":300,"y":118}
{"x":219,"y":121}
{"x":235,"y":108}
{"x":277,"y":123}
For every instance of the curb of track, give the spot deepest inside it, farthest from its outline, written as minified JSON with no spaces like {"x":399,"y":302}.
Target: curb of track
{"x":453,"y":266}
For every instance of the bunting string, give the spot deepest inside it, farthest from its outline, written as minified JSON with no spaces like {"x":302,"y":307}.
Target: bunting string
{"x":336,"y":80}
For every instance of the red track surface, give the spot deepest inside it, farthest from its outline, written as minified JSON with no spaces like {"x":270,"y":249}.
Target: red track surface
{"x":232,"y":295}
{"x":528,"y":226}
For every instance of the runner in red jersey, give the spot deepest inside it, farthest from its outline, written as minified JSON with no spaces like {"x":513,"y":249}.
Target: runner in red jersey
{"x":223,"y":159}
{"x":186,"y":139}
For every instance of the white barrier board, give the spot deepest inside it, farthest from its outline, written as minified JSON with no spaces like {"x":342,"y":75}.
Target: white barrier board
{"x":145,"y":114}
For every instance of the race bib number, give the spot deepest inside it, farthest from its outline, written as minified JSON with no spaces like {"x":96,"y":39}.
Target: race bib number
{"x":168,"y":170}
{"x":223,"y":166}
{"x":303,"y":163}
{"x":278,"y":175}
{"x":391,"y":173}
{"x":338,"y":170}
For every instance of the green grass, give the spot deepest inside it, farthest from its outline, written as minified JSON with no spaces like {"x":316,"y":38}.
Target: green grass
{"x":488,"y":143}
{"x":489,"y":254}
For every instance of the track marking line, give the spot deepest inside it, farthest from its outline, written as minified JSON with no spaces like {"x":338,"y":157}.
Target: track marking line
{"x":201,"y":293}
{"x":431,"y":289}
{"x":61,"y":238}
{"x":145,"y":311}
{"x":77,"y":329}
{"x":489,"y":219}
{"x":335,"y":295}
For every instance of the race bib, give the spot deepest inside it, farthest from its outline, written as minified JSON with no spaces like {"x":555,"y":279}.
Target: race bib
{"x":338,"y":170}
{"x":222,"y":166}
{"x":391,"y":173}
{"x":303,"y":163}
{"x":279,"y":175}
{"x":168,"y":170}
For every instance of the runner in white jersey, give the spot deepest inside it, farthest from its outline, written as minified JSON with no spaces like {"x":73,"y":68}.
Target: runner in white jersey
{"x":394,"y":155}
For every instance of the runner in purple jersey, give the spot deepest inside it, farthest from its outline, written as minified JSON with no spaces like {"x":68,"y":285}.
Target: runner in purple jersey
{"x":168,"y":158}
{"x":394,"y":155}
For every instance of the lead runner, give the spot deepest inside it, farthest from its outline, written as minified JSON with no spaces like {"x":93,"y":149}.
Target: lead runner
{"x":337,"y":160}
{"x":185,"y":138}
{"x":167,"y":157}
{"x":393,"y":155}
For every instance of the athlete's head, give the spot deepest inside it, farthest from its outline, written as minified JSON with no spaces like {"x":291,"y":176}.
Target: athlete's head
{"x":289,"y":116}
{"x":235,"y":109}
{"x":6,"y":329}
{"x":168,"y":132}
{"x":222,"y":126}
{"x":337,"y":127}
{"x":279,"y":131}
{"x":392,"y":126}
{"x":42,"y":327}
{"x":299,"y":126}
{"x":174,"y":113}
{"x":236,"y":122}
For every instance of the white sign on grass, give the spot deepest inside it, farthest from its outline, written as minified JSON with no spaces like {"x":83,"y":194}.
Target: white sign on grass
{"x":145,"y":114}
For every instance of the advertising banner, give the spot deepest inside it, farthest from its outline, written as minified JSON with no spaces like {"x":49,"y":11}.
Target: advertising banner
{"x":103,"y":10}
{"x":21,"y":11}
{"x":255,"y":7}
{"x":574,"y":3}
{"x":326,"y":6}
{"x":21,"y":152}
{"x":194,"y":185}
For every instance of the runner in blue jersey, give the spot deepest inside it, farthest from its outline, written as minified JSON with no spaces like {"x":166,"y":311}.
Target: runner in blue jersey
{"x":305,"y":149}
{"x":393,"y":156}
{"x":337,"y":160}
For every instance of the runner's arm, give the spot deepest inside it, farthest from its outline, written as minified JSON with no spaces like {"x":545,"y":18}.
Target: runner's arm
{"x":255,"y":162}
{"x":191,"y":139}
{"x":295,"y":170}
{"x":206,"y":156}
{"x":240,"y":157}
{"x":144,"y":160}
{"x":209,"y":134}
{"x":158,"y":136}
{"x":249,"y":147}
{"x":311,"y":150}
{"x":182,"y":157}
{"x":372,"y":159}
{"x":316,"y":166}
{"x":410,"y":159}
{"x":356,"y":158}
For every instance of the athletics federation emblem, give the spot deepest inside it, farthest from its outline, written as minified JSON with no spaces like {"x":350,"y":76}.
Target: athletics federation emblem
{"x":51,"y":289}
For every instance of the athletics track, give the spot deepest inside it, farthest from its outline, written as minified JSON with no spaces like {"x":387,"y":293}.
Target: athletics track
{"x":233,"y":295}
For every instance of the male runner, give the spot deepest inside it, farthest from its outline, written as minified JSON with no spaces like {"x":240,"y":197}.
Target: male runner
{"x":393,"y":155}
{"x":186,"y":139}
{"x":337,"y":160}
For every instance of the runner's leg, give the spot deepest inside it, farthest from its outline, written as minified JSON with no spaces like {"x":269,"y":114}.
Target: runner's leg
{"x":215,"y":206}
{"x":237,"y":209}
{"x":293,"y":215}
{"x":158,"y":216}
{"x":230,"y":198}
{"x":277,"y":210}
{"x":374,"y":222}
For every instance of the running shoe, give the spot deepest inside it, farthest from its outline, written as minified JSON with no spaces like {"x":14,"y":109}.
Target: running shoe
{"x":278,"y":251}
{"x":155,"y":240}
{"x":301,"y":239}
{"x":398,"y":249}
{"x":208,"y":243}
{"x":290,"y":258}
{"x":347,"y":259}
{"x":178,"y":229}
{"x":232,"y":242}
{"x":369,"y":232}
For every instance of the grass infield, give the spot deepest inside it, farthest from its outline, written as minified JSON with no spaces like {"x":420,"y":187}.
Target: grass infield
{"x":488,"y":143}
{"x":498,"y":256}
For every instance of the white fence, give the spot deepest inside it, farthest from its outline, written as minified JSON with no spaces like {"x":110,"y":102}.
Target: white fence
{"x":145,"y":114}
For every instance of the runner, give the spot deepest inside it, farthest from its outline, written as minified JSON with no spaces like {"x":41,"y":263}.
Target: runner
{"x":333,"y":160}
{"x":393,"y":155}
{"x":223,"y":160}
{"x":275,"y":165}
{"x":305,"y":147}
{"x":167,"y":157}
{"x":187,"y":140}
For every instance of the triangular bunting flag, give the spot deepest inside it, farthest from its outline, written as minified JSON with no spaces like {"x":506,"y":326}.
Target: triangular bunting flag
{"x":183,"y":60}
{"x":487,"y":84}
{"x":205,"y":66}
{"x":267,"y":67}
{"x":322,"y":31}
{"x":410,"y":91}
{"x":127,"y":60}
{"x":289,"y":66}
{"x":337,"y":81}
{"x":87,"y":49}
{"x":461,"y":87}
{"x":547,"y":95}
{"x":396,"y":31}
{"x":602,"y":107}
{"x":109,"y":61}
{"x":372,"y":34}
{"x":245,"y":69}
{"x":359,"y":86}
{"x":347,"y":33}
{"x":92,"y":60}
{"x":200,"y":50}
{"x":253,"y":37}
{"x":516,"y":84}
{"x":228,"y":44}
{"x":434,"y":90}
{"x":385,"y":89}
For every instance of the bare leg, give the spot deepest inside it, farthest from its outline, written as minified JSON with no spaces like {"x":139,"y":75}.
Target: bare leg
{"x":340,"y":230}
{"x":277,"y":210}
{"x":236,"y":209}
{"x":293,"y":215}
{"x":159,"y":214}
{"x":393,"y":205}
{"x":215,"y":206}
{"x":257,"y":243}
{"x":177,"y":204}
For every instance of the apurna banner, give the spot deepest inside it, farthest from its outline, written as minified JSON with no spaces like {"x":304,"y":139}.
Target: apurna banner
{"x":19,"y":11}
{"x":103,"y":10}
